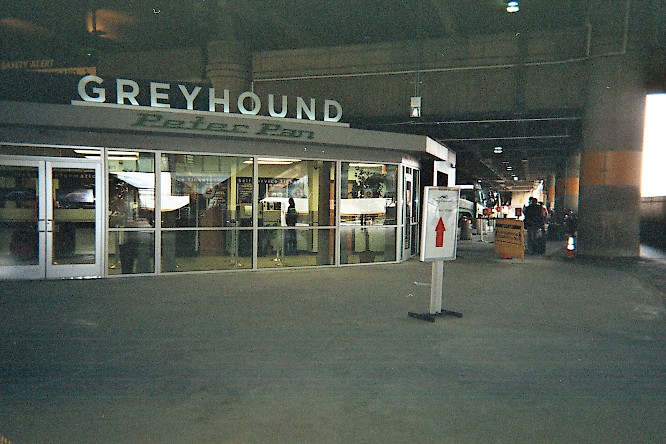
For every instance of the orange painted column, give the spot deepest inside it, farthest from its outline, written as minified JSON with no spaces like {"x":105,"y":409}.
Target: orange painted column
{"x":570,"y":184}
{"x":610,"y":174}
{"x":550,"y":193}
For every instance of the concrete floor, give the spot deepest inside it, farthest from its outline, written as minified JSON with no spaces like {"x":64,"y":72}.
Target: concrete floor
{"x":548,"y":350}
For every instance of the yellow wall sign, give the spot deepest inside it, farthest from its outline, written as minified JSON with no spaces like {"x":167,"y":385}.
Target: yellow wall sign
{"x":510,"y":238}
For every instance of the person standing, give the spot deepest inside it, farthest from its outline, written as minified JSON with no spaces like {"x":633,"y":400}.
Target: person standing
{"x":290,"y":218}
{"x":534,"y":222}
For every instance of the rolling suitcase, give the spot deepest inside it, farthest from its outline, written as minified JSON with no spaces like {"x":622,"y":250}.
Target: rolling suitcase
{"x":540,"y":243}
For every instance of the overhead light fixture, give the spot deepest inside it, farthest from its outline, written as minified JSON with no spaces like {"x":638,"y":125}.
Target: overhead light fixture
{"x":366,"y":165}
{"x":112,"y":155}
{"x":124,"y":154}
{"x":498,"y":150}
{"x":88,"y":151}
{"x":515,"y":177}
{"x":273,"y":161}
{"x":415,"y":105}
{"x":509,"y":168}
{"x":512,"y":7}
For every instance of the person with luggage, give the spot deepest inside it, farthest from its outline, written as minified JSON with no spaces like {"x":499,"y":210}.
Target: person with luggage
{"x":534,"y":224}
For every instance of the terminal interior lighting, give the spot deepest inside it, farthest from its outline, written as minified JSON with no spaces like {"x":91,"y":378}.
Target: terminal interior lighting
{"x":273,"y":161}
{"x":498,"y":150}
{"x":512,"y":7}
{"x":366,"y":165}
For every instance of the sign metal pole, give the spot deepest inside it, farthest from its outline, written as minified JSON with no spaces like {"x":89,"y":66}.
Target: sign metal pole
{"x":436,"y":283}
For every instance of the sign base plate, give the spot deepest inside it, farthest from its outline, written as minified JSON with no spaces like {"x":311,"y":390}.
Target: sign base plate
{"x":432,"y":317}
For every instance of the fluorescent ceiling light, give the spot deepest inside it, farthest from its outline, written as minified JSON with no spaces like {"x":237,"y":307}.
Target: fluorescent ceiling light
{"x":124,"y":153}
{"x":121,"y":158}
{"x":512,"y":7}
{"x":273,"y":161}
{"x":92,"y":152}
{"x":366,"y":165}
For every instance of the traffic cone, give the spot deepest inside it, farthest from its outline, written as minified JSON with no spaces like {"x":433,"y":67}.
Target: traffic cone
{"x":571,"y":247}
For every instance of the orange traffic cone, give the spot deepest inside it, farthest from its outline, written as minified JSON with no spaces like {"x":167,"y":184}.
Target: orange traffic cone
{"x":571,"y":247}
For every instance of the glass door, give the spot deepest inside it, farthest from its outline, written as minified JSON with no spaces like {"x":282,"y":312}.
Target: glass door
{"x":73,"y":218}
{"x":21,"y":240}
{"x":411,"y":212}
{"x":407,"y":213}
{"x":50,"y":218}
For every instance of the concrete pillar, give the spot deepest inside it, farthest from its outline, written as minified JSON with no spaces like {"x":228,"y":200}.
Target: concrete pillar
{"x":610,"y":179}
{"x":230,"y":67}
{"x":325,"y":217}
{"x":570,"y":184}
{"x":550,"y":193}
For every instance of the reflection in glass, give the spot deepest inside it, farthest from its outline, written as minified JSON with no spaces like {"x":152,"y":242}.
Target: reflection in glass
{"x":293,"y":195}
{"x":359,"y":244}
{"x":19,"y":238}
{"x":73,"y":215}
{"x":206,"y":191}
{"x":131,"y":189}
{"x":203,"y":250}
{"x":368,"y":194}
{"x":131,"y":252}
{"x":308,"y":247}
{"x":307,"y":186}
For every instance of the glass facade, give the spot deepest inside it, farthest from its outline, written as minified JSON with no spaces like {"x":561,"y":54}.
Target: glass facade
{"x":131,"y":212}
{"x":206,"y":212}
{"x":368,"y":212}
{"x":296,"y":201}
{"x":170,"y":212}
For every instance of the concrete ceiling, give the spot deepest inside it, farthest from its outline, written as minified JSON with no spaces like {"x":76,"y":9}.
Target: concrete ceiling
{"x":538,"y":144}
{"x":274,"y":25}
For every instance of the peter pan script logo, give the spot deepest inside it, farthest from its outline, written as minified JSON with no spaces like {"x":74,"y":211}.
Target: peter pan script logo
{"x":162,"y":95}
{"x":198,"y":123}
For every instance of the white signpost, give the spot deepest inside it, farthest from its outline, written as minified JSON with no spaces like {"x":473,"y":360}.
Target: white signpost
{"x":438,"y":242}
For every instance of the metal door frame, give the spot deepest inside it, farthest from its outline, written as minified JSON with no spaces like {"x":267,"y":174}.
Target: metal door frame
{"x":406,"y":234}
{"x":45,"y":268}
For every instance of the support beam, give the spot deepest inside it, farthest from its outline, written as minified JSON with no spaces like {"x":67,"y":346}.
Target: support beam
{"x":611,"y":158}
{"x":571,"y":184}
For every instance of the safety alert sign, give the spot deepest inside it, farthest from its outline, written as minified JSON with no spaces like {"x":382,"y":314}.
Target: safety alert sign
{"x":439,"y":223}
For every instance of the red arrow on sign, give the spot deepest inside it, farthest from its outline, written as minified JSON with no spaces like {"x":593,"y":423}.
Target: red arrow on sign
{"x":440,"y":229}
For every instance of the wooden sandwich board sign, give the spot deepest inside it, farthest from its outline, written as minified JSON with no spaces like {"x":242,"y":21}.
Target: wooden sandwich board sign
{"x":510,"y":238}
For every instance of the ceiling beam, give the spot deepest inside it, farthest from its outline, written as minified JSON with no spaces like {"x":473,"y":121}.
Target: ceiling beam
{"x":444,"y":10}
